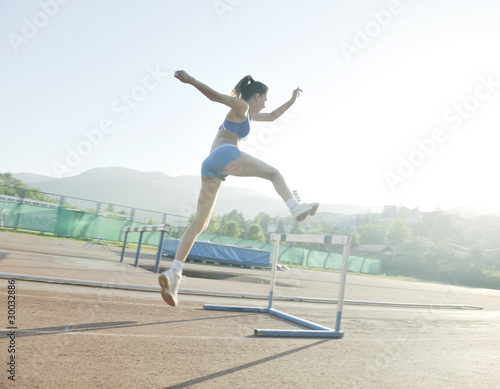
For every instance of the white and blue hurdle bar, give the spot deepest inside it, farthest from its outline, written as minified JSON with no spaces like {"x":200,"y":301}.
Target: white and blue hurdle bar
{"x":142,"y":229}
{"x":315,"y":330}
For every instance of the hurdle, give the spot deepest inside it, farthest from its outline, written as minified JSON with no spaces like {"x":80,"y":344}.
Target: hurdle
{"x":142,"y":229}
{"x":315,"y":330}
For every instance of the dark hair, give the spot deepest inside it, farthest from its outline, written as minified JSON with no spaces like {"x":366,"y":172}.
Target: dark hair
{"x":247,"y":87}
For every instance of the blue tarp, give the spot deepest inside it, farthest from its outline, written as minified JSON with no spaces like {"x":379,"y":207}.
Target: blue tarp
{"x":238,"y":255}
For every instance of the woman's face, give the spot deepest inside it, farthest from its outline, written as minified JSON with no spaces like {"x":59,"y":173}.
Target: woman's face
{"x":261,"y":101}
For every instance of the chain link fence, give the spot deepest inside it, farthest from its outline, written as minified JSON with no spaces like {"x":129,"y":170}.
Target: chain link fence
{"x":78,"y":218}
{"x":74,"y":217}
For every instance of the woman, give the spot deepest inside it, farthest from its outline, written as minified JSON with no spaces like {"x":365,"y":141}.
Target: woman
{"x":246,"y":101}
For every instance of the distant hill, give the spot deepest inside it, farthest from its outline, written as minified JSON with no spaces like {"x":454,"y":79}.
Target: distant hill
{"x":474,"y":211}
{"x":159,"y":192}
{"x":31,"y":179}
{"x":178,"y":195}
{"x":152,"y":190}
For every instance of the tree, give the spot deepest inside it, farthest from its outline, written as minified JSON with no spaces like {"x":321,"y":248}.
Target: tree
{"x":232,"y":229}
{"x":411,"y":263}
{"x":371,"y":233}
{"x":389,"y":212}
{"x":235,"y":216}
{"x":256,"y":233}
{"x":476,"y":258}
{"x":263,"y":220}
{"x":8,"y":180}
{"x":476,"y":263}
{"x":328,"y":225}
{"x":214,"y":225}
{"x":397,"y":232}
{"x":11,"y":186}
{"x":355,"y":239}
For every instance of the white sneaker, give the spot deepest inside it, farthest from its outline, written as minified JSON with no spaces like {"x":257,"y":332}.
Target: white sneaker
{"x":302,"y":210}
{"x":169,"y":281}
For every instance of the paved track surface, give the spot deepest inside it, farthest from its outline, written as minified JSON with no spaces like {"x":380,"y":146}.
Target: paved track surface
{"x":71,"y":336}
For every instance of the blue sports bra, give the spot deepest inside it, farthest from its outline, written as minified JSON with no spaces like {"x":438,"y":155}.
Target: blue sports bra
{"x":241,"y":129}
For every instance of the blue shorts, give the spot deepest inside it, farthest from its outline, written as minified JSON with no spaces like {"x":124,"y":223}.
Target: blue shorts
{"x":214,"y":164}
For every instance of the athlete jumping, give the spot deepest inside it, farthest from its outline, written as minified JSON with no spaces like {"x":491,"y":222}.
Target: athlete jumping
{"x":246,"y":101}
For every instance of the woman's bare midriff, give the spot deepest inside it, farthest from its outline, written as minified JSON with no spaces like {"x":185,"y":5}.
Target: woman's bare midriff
{"x":224,"y":137}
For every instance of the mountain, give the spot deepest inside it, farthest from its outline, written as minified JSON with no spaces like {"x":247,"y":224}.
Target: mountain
{"x":178,"y":195}
{"x":32,"y":179}
{"x":159,"y":192}
{"x":151,"y":191}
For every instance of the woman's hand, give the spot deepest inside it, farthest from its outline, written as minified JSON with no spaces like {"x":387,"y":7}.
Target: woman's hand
{"x":183,"y":77}
{"x":233,"y":102}
{"x":295,"y":94}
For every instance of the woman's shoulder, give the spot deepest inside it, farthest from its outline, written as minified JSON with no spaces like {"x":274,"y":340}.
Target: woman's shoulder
{"x":237,"y":115}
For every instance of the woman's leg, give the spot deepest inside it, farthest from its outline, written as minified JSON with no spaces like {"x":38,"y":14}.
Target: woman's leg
{"x":170,"y":279}
{"x":248,"y":166}
{"x":206,"y":202}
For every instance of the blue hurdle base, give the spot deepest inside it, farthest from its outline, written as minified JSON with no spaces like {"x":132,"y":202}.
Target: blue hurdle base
{"x":316,"y":330}
{"x":300,"y":333}
{"x":231,"y":308}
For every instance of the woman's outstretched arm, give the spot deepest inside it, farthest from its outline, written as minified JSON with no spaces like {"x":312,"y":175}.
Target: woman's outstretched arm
{"x":239,"y":105}
{"x":272,"y":116}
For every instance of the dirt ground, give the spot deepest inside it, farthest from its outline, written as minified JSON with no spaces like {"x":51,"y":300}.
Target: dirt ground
{"x":71,"y":336}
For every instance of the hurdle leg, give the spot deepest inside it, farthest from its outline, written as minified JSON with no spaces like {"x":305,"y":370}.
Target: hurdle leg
{"x":138,"y":251}
{"x":343,"y":276}
{"x":213,"y":307}
{"x":294,"y":319}
{"x":124,"y":245}
{"x":273,"y":272}
{"x":159,"y":253}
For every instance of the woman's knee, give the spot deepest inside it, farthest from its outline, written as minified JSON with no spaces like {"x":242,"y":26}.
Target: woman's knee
{"x":200,"y":224}
{"x":208,"y":195}
{"x":275,"y":175}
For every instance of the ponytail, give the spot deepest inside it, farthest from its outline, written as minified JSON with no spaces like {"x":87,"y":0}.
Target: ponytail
{"x":247,"y":87}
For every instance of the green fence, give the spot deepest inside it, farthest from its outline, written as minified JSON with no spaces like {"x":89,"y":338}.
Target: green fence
{"x":303,"y":257}
{"x":79,"y":224}
{"x":70,"y":223}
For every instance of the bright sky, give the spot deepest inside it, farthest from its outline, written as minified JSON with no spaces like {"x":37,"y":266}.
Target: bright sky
{"x":400,"y":101}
